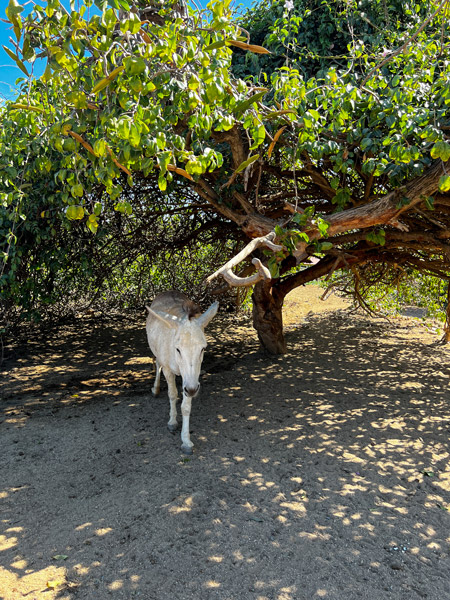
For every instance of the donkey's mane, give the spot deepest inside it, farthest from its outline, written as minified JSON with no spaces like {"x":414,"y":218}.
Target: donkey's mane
{"x":191,"y":309}
{"x":177,"y":304}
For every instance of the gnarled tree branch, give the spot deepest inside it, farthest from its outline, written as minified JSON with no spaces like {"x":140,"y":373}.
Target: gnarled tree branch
{"x":262,"y":273}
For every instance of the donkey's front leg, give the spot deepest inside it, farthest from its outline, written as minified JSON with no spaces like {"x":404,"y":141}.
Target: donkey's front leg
{"x":173,"y":397}
{"x":187,"y":445}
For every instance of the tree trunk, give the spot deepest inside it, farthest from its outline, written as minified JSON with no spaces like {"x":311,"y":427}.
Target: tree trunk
{"x":446,"y":338}
{"x":268,"y":317}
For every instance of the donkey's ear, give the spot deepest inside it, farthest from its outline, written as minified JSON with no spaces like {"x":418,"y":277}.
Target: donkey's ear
{"x":207,"y":316}
{"x":169,"y":320}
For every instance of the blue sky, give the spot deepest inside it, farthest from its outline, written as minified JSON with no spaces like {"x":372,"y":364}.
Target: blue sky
{"x":9,"y":71}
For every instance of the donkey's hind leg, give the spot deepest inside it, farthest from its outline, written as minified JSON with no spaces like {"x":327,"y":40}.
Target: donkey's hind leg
{"x":156,"y":385}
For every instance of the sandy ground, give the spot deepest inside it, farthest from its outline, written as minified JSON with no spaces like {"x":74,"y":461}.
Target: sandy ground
{"x":320,"y":474}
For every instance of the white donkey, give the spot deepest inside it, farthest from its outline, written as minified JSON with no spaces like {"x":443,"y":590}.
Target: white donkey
{"x":175,"y":335}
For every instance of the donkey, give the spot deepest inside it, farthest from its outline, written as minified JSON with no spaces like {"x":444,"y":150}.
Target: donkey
{"x":175,"y":327}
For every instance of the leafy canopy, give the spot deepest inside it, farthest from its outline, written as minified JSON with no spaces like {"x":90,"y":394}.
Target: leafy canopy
{"x":344,"y":137}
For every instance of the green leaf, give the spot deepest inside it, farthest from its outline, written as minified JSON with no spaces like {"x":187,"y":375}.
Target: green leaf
{"x":259,"y":135}
{"x":77,"y":190}
{"x":162,"y":183}
{"x":109,"y":18}
{"x":326,"y":245}
{"x":100,"y":147}
{"x":245,"y":104}
{"x":92,"y":223}
{"x":134,"y":65}
{"x":13,"y":9}
{"x":273,"y":267}
{"x":444,"y":183}
{"x":214,"y":92}
{"x":124,"y":128}
{"x":428,"y":473}
{"x":77,"y":98}
{"x":194,"y":167}
{"x":21,"y":106}
{"x":122,"y":207}
{"x":279,"y":113}
{"x":377,"y":237}
{"x":69,"y":145}
{"x":246,"y":163}
{"x":194,"y":82}
{"x":164,"y":159}
{"x":322,"y":226}
{"x":47,"y":74}
{"x":135,"y":136}
{"x":300,"y":236}
{"x":17,"y":60}
{"x":441,"y":150}
{"x":132,"y":24}
{"x":74,"y":212}
{"x":300,"y":218}
{"x":215,"y":46}
{"x":100,"y":85}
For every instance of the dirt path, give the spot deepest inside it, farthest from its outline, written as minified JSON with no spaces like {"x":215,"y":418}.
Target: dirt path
{"x":321,"y":474}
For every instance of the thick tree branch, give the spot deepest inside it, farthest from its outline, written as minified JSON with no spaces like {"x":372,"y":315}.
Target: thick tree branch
{"x":388,"y":208}
{"x":262,"y":272}
{"x":289,"y":283}
{"x":204,"y":190}
{"x":385,"y":210}
{"x":234,"y":139}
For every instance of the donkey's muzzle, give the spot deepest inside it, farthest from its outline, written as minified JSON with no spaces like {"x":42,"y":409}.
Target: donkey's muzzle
{"x":191,"y":391}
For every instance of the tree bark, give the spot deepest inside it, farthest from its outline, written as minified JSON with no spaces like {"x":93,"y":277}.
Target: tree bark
{"x":446,"y":337}
{"x":268,"y":317}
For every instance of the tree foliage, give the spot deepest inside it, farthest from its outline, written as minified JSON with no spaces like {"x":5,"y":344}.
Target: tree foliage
{"x":58,"y":267}
{"x":315,"y":35}
{"x":345,"y":158}
{"x":52,"y":206}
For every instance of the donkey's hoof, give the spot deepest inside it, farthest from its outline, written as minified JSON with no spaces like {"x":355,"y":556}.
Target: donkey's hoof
{"x":187,"y":449}
{"x":172,"y":427}
{"x":155,"y":393}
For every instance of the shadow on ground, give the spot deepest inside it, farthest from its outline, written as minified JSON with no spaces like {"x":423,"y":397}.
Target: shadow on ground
{"x":320,"y":474}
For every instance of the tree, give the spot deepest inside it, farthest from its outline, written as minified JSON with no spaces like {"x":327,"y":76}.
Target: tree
{"x":349,"y":166}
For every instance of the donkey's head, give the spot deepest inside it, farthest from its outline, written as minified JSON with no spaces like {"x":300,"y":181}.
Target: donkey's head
{"x":189,"y":344}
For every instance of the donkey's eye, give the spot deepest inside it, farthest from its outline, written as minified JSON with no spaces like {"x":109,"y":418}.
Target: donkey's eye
{"x":178,"y":350}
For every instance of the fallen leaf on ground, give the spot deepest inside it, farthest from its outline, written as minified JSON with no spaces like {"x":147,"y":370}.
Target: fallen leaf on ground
{"x":54,"y":584}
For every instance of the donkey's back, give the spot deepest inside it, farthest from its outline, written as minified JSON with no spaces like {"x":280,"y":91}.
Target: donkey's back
{"x":176,"y":304}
